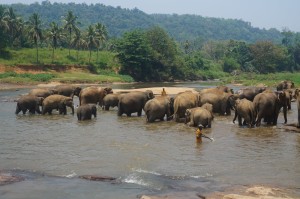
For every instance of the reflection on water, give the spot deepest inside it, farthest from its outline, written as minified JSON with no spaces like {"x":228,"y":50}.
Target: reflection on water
{"x":146,"y":158}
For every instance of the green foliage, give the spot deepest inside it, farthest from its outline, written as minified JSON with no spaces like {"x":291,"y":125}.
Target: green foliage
{"x":230,"y":64}
{"x":41,"y":77}
{"x":180,"y":27}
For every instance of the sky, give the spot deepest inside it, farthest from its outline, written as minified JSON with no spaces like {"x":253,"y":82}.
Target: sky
{"x":279,"y":14}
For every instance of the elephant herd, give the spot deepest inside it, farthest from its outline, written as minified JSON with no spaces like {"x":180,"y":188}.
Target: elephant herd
{"x":250,"y":105}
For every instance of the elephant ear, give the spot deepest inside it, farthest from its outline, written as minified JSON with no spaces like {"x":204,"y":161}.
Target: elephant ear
{"x":297,"y":91}
{"x":188,"y":112}
{"x":40,"y":100}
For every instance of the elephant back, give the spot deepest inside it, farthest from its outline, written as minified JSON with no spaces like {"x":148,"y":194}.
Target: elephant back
{"x":184,"y":101}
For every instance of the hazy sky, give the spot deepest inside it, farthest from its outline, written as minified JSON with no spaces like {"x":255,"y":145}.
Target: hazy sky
{"x":267,"y":14}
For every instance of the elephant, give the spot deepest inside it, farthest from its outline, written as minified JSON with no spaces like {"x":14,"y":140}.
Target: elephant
{"x":59,"y":102}
{"x":297,"y":97}
{"x":268,"y":104}
{"x":245,"y":109}
{"x":93,"y":95}
{"x":199,"y":116}
{"x":183,"y":101}
{"x":159,"y":107}
{"x":222,"y":102}
{"x":68,"y":90}
{"x":286,"y":84}
{"x":133,"y":102}
{"x":250,"y":92}
{"x":42,"y":92}
{"x":226,"y":89}
{"x":29,"y":102}
{"x":85,"y":112}
{"x":110,"y":100}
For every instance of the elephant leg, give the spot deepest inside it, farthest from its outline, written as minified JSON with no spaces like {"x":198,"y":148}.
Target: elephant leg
{"x":120,"y":111}
{"x":240,"y":120}
{"x":139,"y":113}
{"x":17,"y":110}
{"x":258,"y":121}
{"x":24,"y":110}
{"x":128,"y":114}
{"x":106,"y":107}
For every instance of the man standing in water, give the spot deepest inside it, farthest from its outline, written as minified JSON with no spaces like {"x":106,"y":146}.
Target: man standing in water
{"x":199,"y":134}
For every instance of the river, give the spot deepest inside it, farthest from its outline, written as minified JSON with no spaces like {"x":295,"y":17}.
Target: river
{"x":51,"y":151}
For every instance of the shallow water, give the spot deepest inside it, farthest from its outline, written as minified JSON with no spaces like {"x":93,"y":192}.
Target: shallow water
{"x":161,"y":157}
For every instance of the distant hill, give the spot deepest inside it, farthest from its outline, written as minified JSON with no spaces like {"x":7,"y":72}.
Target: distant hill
{"x":180,"y":27}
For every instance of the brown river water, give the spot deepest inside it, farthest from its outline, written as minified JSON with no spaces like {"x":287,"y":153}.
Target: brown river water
{"x":51,"y":151}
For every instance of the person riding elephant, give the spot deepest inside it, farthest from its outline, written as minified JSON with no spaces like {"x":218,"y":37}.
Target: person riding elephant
{"x":286,"y":84}
{"x":110,"y":100}
{"x":68,"y":90}
{"x":159,"y":107}
{"x":29,"y":102}
{"x":245,"y":109}
{"x":268,"y":104}
{"x":222,"y":102}
{"x":85,"y":112}
{"x":133,"y":102}
{"x":183,"y":101}
{"x":42,"y":92}
{"x":199,"y":115}
{"x":93,"y":95}
{"x":58,"y":102}
{"x":250,"y":92}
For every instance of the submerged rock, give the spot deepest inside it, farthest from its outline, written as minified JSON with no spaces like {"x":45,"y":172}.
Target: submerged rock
{"x":7,"y":178}
{"x":97,"y":178}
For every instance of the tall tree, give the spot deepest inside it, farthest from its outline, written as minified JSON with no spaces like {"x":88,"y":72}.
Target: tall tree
{"x":3,"y":29}
{"x":91,"y":40}
{"x":78,"y":42}
{"x":101,"y":34}
{"x":34,"y":26}
{"x":134,"y":55}
{"x":55,"y":35}
{"x":11,"y":19}
{"x":70,"y":21}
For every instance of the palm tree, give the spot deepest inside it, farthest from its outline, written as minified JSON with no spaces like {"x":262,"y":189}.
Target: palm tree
{"x":78,"y":42}
{"x":91,"y":40}
{"x":35,"y":31}
{"x":101,"y":33}
{"x":11,"y":19}
{"x":3,"y":28}
{"x":70,"y":25}
{"x":55,"y":34}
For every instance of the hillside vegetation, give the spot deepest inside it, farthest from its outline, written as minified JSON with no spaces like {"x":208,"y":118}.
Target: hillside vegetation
{"x":115,"y":44}
{"x":180,"y":27}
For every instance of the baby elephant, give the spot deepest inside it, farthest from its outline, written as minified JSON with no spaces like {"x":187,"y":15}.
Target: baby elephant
{"x":29,"y":102}
{"x":245,"y":109}
{"x":85,"y":112}
{"x":59,"y":102}
{"x":199,"y":116}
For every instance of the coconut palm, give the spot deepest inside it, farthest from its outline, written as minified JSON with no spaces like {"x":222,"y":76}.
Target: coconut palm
{"x":101,"y":33}
{"x":35,"y":31}
{"x":55,"y":35}
{"x":3,"y":28}
{"x":78,"y":42}
{"x":11,"y":19}
{"x":70,"y":25}
{"x":91,"y":40}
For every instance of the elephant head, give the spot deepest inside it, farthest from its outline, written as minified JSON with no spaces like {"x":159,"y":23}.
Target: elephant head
{"x":77,"y":91}
{"x":149,"y":94}
{"x":187,"y":114}
{"x":282,"y":102}
{"x":108,"y":90}
{"x":69,"y":102}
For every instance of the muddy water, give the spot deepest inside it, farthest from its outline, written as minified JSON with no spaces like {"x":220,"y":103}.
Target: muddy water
{"x":52,"y":151}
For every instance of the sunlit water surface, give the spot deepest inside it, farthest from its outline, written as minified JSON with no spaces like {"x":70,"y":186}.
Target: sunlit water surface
{"x":51,"y":151}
